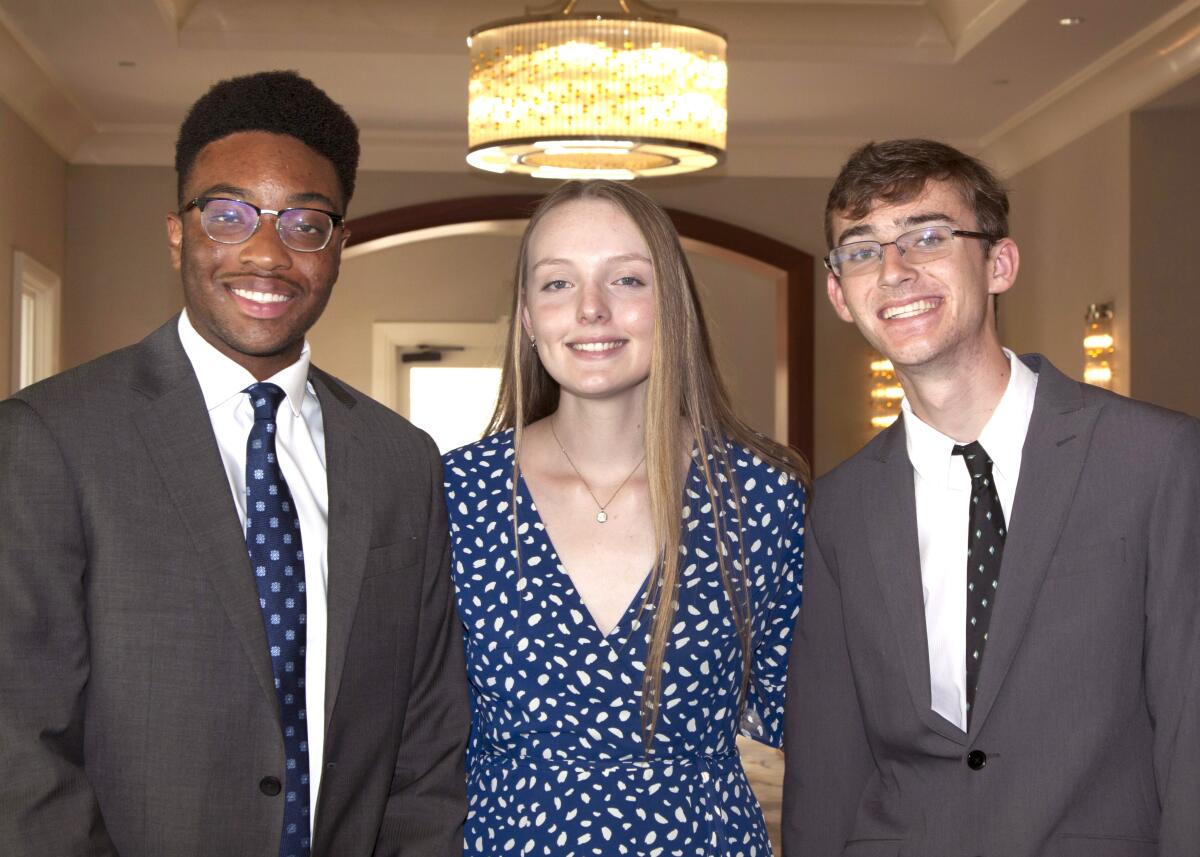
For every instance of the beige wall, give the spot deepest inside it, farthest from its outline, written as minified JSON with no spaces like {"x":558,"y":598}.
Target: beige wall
{"x":33,"y":191}
{"x":1165,"y":164}
{"x":739,"y":306}
{"x":468,"y":278}
{"x":121,"y":285}
{"x":1070,"y":218}
{"x":462,"y":278}
{"x":789,"y":210}
{"x":1112,"y":218}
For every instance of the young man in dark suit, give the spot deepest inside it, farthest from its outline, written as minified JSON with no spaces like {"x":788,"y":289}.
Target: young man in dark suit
{"x":226,"y":624}
{"x":997,"y":653}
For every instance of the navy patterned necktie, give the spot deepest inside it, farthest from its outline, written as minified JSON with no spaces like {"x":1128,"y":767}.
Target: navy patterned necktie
{"x":985,"y":547}
{"x":277,"y":557}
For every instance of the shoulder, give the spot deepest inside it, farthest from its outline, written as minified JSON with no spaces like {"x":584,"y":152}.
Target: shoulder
{"x":1137,"y":418}
{"x":397,"y":454}
{"x":847,"y":475}
{"x":477,"y":479}
{"x":756,"y":477}
{"x":485,"y":459}
{"x":105,"y":384}
{"x":1119,"y":418}
{"x":368,"y":413}
{"x":1138,"y":443}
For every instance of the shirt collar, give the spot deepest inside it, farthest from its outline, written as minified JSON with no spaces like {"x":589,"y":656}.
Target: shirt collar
{"x":221,"y":378}
{"x":1003,"y":437}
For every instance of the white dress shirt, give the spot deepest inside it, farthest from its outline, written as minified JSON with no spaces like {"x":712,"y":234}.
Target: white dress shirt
{"x":943,"y":491}
{"x":300,"y":446}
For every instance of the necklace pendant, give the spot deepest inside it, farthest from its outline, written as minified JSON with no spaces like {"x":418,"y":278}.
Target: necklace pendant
{"x":601,"y":516}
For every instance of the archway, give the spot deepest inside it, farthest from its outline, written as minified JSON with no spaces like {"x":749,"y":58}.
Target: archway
{"x":792,"y":270}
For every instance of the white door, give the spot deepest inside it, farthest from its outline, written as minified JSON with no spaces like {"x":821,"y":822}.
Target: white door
{"x":452,"y":392}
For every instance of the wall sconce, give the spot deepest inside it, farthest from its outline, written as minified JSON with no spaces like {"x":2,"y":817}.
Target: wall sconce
{"x":1098,"y":345}
{"x":886,"y":393}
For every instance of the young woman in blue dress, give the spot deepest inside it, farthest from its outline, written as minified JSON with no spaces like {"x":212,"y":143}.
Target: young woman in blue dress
{"x":627,"y":557}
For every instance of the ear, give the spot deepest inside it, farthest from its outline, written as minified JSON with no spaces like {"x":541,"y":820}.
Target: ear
{"x":345,"y":238}
{"x":175,"y":238}
{"x":833,"y":288}
{"x":526,"y":322}
{"x":1003,"y":260}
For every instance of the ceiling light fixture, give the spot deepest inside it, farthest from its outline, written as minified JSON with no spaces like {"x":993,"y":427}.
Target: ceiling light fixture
{"x":1070,"y":21}
{"x":562,"y":93}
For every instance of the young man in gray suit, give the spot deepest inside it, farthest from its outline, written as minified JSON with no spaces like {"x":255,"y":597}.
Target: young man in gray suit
{"x":226,"y":624}
{"x":997,"y":653}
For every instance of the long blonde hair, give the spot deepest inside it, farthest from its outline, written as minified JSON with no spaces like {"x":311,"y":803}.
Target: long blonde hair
{"x":684,"y":397}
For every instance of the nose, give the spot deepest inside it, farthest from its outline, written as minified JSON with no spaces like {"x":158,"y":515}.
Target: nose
{"x":264,"y":249}
{"x":593,"y":303}
{"x":894,"y":267}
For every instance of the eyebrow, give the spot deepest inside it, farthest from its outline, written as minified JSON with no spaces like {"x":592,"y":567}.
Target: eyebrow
{"x":294,"y":199}
{"x":624,"y":257}
{"x":866,"y":229}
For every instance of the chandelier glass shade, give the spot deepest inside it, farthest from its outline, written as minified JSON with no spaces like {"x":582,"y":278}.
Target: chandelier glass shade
{"x":593,"y":95}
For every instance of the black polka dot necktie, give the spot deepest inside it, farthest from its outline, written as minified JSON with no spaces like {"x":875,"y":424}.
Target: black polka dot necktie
{"x":985,"y":547}
{"x":277,"y":557}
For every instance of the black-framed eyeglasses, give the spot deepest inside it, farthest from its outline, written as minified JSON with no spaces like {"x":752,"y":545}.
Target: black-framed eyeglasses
{"x":920,"y":245}
{"x":232,"y":221}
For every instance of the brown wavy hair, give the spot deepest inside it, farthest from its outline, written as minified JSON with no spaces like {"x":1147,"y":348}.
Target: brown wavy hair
{"x":685,"y":397}
{"x":896,"y":171}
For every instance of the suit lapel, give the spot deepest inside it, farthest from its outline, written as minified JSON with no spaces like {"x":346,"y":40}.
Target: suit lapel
{"x":1052,"y":460}
{"x":889,"y":499}
{"x":346,"y":467}
{"x":175,"y":427}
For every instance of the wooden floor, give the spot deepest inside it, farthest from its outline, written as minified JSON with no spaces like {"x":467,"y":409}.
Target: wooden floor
{"x":764,"y":768}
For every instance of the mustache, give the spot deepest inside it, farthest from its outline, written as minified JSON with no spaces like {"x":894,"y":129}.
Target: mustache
{"x":232,"y":279}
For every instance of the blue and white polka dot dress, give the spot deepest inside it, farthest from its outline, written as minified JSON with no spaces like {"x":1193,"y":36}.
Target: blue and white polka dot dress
{"x":555,"y":763}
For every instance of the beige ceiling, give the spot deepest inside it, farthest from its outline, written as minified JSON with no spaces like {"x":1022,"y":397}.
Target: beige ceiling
{"x":107,"y":81}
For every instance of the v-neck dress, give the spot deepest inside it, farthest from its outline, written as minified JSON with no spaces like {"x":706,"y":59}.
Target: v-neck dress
{"x":555,"y":763}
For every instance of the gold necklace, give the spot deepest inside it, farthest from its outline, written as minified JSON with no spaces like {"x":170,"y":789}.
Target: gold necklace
{"x":601,"y":513}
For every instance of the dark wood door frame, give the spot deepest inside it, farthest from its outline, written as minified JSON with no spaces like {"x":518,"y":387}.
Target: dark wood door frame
{"x":794,"y":293}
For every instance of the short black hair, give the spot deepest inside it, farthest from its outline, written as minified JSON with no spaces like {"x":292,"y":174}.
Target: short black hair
{"x":278,"y":102}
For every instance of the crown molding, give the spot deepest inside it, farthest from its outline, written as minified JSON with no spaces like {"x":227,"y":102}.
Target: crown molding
{"x":981,"y":25}
{"x":445,"y":151}
{"x":1142,"y":68}
{"x":37,"y":96}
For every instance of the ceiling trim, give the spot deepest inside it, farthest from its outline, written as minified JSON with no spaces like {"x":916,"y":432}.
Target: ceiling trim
{"x":1142,"y":68}
{"x":37,"y":96}
{"x":983,"y":25}
{"x":1137,"y":71}
{"x":445,"y":152}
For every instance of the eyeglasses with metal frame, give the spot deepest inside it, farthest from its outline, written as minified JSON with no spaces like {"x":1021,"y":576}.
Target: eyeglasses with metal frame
{"x":926,"y":244}
{"x":232,"y":221}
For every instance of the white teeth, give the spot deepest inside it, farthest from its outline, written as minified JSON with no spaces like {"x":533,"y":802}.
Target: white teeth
{"x":596,"y":346}
{"x":260,"y":297}
{"x":908,"y":310}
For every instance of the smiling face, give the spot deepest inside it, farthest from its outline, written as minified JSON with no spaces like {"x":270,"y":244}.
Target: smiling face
{"x":589,"y":299}
{"x":929,"y":315}
{"x":255,"y":301}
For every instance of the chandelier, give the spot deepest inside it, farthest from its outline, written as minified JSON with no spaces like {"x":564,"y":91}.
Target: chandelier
{"x":565,"y":94}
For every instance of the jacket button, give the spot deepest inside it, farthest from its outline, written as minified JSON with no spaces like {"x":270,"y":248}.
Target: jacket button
{"x":270,"y":786}
{"x":976,"y":759}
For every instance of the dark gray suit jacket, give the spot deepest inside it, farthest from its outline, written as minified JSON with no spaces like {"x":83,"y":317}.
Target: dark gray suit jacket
{"x":1087,"y":718}
{"x":137,"y":705}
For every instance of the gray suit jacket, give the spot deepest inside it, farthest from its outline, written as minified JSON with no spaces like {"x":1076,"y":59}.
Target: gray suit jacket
{"x":1087,"y":717}
{"x":137,"y":705}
